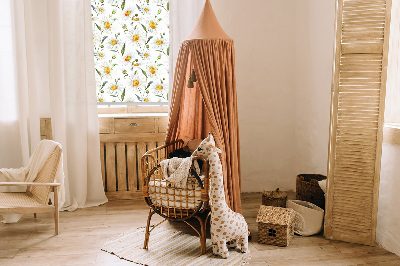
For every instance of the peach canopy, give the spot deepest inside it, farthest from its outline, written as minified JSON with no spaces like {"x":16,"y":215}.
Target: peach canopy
{"x":211,"y":105}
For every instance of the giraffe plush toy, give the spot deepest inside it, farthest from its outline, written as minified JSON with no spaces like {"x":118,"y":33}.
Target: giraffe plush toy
{"x":226,"y":225}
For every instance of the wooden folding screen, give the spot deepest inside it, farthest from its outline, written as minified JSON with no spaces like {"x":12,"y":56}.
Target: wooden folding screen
{"x":358,"y":96}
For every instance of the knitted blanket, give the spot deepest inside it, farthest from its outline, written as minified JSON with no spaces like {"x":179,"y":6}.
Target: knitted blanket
{"x":176,"y":170}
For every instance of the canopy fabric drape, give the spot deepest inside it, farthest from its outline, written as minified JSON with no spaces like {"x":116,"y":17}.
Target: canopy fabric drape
{"x":211,"y":106}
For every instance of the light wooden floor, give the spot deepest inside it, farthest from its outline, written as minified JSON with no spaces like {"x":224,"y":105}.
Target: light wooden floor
{"x":83,"y":232}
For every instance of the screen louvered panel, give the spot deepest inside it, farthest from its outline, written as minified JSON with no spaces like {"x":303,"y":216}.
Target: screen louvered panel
{"x":356,"y":119}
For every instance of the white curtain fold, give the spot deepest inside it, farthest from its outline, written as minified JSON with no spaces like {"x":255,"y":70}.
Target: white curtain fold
{"x":55,"y":78}
{"x":183,"y":15}
{"x":10,"y":146}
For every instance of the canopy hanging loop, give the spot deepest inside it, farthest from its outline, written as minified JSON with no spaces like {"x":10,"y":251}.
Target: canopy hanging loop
{"x":193,"y":76}
{"x":190,"y":83}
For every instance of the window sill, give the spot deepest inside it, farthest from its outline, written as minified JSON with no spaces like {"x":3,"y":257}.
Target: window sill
{"x":127,"y":115}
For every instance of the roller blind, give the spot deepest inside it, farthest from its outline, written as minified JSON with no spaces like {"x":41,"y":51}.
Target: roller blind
{"x":358,"y":97}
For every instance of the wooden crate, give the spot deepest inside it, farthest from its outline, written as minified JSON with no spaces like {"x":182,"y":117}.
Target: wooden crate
{"x":123,"y":141}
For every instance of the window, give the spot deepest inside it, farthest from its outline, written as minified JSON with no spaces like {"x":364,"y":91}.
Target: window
{"x":131,"y":49}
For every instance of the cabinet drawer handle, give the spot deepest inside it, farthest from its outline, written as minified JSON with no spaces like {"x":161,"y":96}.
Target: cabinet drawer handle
{"x":133,"y":124}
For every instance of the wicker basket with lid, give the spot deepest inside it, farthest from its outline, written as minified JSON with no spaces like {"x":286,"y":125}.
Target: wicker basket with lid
{"x":274,"y":198}
{"x":308,"y":189}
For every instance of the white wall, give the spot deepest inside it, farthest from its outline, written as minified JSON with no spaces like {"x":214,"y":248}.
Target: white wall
{"x":314,"y":60}
{"x":284,"y":57}
{"x":388,"y":227}
{"x":284,"y":52}
{"x":264,"y":32}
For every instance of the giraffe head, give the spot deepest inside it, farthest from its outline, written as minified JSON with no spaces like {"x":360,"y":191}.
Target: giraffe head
{"x":206,"y":147}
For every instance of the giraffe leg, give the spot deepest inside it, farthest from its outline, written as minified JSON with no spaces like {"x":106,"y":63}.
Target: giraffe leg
{"x":233,"y":243}
{"x":215,"y":248}
{"x":222,"y":249}
{"x":243,"y":244}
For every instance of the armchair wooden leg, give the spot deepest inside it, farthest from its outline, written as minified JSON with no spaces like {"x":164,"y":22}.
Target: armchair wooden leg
{"x":56,"y":212}
{"x":147,"y":235}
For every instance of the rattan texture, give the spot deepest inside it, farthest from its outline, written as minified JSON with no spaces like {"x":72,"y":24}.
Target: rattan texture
{"x":308,"y":189}
{"x":276,"y":235}
{"x":17,"y":199}
{"x":167,"y":200}
{"x":165,"y":194}
{"x":274,"y":198}
{"x":46,"y":175}
{"x":275,"y":215}
{"x":275,"y":225}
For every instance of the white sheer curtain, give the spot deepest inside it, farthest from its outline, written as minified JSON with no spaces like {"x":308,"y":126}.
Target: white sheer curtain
{"x":10,"y":144}
{"x":183,"y":17}
{"x":55,"y":78}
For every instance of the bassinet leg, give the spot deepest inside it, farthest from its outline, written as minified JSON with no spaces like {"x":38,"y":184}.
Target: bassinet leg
{"x":203,"y":236}
{"x":147,"y":235}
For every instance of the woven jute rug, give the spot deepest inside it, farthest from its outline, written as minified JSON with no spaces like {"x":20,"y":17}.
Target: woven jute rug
{"x":168,"y":247}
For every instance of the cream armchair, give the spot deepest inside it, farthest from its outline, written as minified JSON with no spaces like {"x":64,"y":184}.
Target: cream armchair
{"x":36,"y":197}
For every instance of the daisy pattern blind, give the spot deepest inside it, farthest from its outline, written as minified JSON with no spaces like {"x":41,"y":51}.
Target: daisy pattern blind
{"x":131,"y":49}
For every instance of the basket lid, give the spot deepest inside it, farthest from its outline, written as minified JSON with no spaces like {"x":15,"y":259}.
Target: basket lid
{"x":275,"y":194}
{"x":275,"y":215}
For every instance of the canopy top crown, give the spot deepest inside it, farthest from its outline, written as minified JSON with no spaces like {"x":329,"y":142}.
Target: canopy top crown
{"x":207,"y":26}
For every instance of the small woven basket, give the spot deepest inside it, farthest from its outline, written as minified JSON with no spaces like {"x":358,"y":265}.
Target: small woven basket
{"x":275,"y":225}
{"x":308,"y":189}
{"x":274,"y":198}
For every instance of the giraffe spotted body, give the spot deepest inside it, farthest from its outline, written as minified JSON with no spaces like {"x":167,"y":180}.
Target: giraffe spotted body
{"x":226,"y":225}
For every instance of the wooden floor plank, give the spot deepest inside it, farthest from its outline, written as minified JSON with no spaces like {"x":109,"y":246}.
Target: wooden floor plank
{"x":82,"y":233}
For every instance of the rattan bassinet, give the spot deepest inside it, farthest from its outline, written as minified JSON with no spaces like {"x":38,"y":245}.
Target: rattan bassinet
{"x":170,"y":202}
